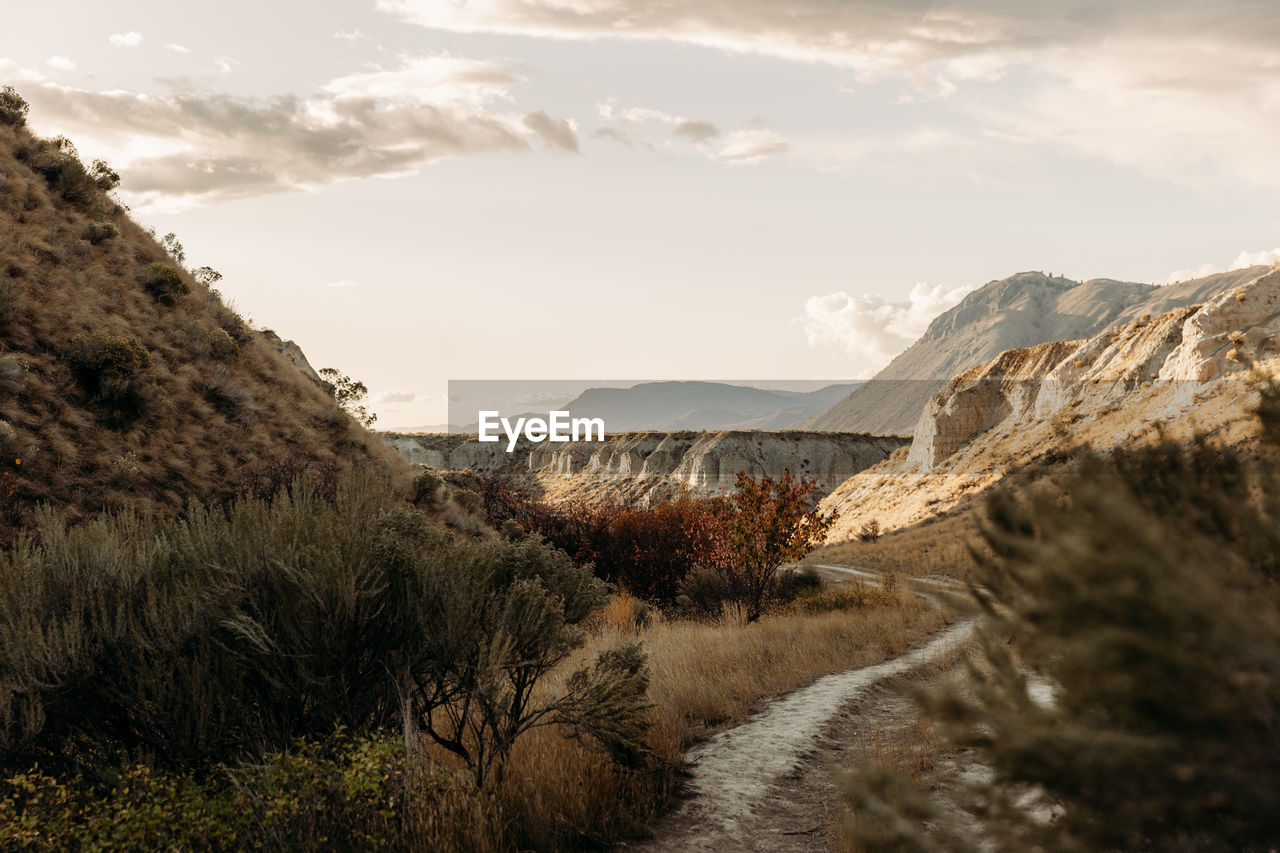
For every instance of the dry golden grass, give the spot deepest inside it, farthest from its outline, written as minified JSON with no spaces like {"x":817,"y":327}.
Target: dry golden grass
{"x":182,"y":445}
{"x":560,"y":793}
{"x":940,"y":546}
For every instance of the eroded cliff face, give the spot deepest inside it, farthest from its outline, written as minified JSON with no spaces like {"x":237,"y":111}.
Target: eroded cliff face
{"x":1182,"y":372}
{"x":639,"y":466}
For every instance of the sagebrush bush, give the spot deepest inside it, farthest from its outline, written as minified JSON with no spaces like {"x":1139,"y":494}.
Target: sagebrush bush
{"x":113,"y":370}
{"x":1140,"y":592}
{"x":96,"y":232}
{"x":58,"y":162}
{"x":165,"y":284}
{"x":227,"y":635}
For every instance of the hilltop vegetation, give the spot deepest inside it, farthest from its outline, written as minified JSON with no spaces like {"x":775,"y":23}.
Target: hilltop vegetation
{"x":125,"y":380}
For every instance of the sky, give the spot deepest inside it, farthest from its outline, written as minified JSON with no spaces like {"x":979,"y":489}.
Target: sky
{"x":424,"y":190}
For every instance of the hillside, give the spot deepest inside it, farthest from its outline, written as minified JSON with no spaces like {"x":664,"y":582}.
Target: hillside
{"x":1178,"y":374}
{"x":1023,"y":310}
{"x":124,"y":381}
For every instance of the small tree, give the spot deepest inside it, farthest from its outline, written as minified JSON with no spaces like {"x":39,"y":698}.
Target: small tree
{"x":13,"y":107}
{"x":349,"y":394}
{"x":173,"y":246}
{"x":207,"y":276}
{"x":766,"y":525}
{"x":104,"y":176}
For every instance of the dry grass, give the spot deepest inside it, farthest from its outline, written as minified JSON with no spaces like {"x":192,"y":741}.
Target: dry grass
{"x":561,"y":793}
{"x":940,"y":546}
{"x":192,"y":439}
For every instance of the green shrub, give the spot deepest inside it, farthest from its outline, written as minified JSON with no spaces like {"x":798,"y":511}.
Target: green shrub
{"x":234,"y":325}
{"x":96,"y":232}
{"x":227,"y":635}
{"x":106,"y":178}
{"x":427,"y":487}
{"x":13,"y":108}
{"x":1140,"y":594}
{"x":221,"y":345}
{"x":114,"y":371}
{"x":336,"y":793}
{"x":58,"y":162}
{"x":166,"y":284}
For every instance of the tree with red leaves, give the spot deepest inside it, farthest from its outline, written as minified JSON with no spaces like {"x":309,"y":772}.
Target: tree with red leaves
{"x":766,"y":525}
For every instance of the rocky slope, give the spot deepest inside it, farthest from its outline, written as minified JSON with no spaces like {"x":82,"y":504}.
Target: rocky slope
{"x":1023,"y":310}
{"x":637,"y":466}
{"x":1183,"y":371}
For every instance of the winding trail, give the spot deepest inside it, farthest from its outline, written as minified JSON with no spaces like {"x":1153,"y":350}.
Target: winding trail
{"x":737,"y":774}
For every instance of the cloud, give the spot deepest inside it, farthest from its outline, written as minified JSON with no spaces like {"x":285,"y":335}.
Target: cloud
{"x":344,"y":283}
{"x":696,"y":131}
{"x":61,"y":63}
{"x":556,"y":133}
{"x":129,"y":39}
{"x":349,"y":35}
{"x":750,"y":144}
{"x":396,"y":397}
{"x":870,"y":330}
{"x":1266,"y":258}
{"x":744,"y":147}
{"x":225,"y":64}
{"x":192,"y":147}
{"x":1181,"y":90}
{"x":176,"y":48}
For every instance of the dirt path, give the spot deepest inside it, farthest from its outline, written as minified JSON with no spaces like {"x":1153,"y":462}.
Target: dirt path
{"x":765,"y":785}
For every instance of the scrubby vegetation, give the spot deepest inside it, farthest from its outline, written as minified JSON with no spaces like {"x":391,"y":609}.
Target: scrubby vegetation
{"x":696,"y":552}
{"x":1127,"y":693}
{"x":112,"y":350}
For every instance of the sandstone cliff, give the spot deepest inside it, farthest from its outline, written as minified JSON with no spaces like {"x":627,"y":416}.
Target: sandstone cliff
{"x":638,"y":466}
{"x":1020,"y":311}
{"x":1183,"y":371}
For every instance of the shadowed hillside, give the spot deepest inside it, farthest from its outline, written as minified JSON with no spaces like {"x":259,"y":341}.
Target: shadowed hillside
{"x":124,"y":380}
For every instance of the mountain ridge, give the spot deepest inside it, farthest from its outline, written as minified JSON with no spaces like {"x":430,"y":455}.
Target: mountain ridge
{"x":1024,"y":309}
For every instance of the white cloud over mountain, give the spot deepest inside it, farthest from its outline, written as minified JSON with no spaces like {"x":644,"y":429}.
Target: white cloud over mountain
{"x":870,"y":330}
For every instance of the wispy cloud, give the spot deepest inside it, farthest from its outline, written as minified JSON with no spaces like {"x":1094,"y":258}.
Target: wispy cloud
{"x":176,"y":48}
{"x":1184,"y":91}
{"x":61,"y":63}
{"x":396,"y":397}
{"x":129,"y":39}
{"x":193,"y":147}
{"x":752,"y":143}
{"x":349,"y":35}
{"x":343,"y":284}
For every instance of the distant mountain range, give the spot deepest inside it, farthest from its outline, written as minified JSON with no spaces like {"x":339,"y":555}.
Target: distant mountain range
{"x":676,"y":406}
{"x":1023,"y":310}
{"x":671,"y":406}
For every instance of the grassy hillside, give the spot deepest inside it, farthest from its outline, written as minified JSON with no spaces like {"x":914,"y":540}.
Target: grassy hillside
{"x":124,"y":381}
